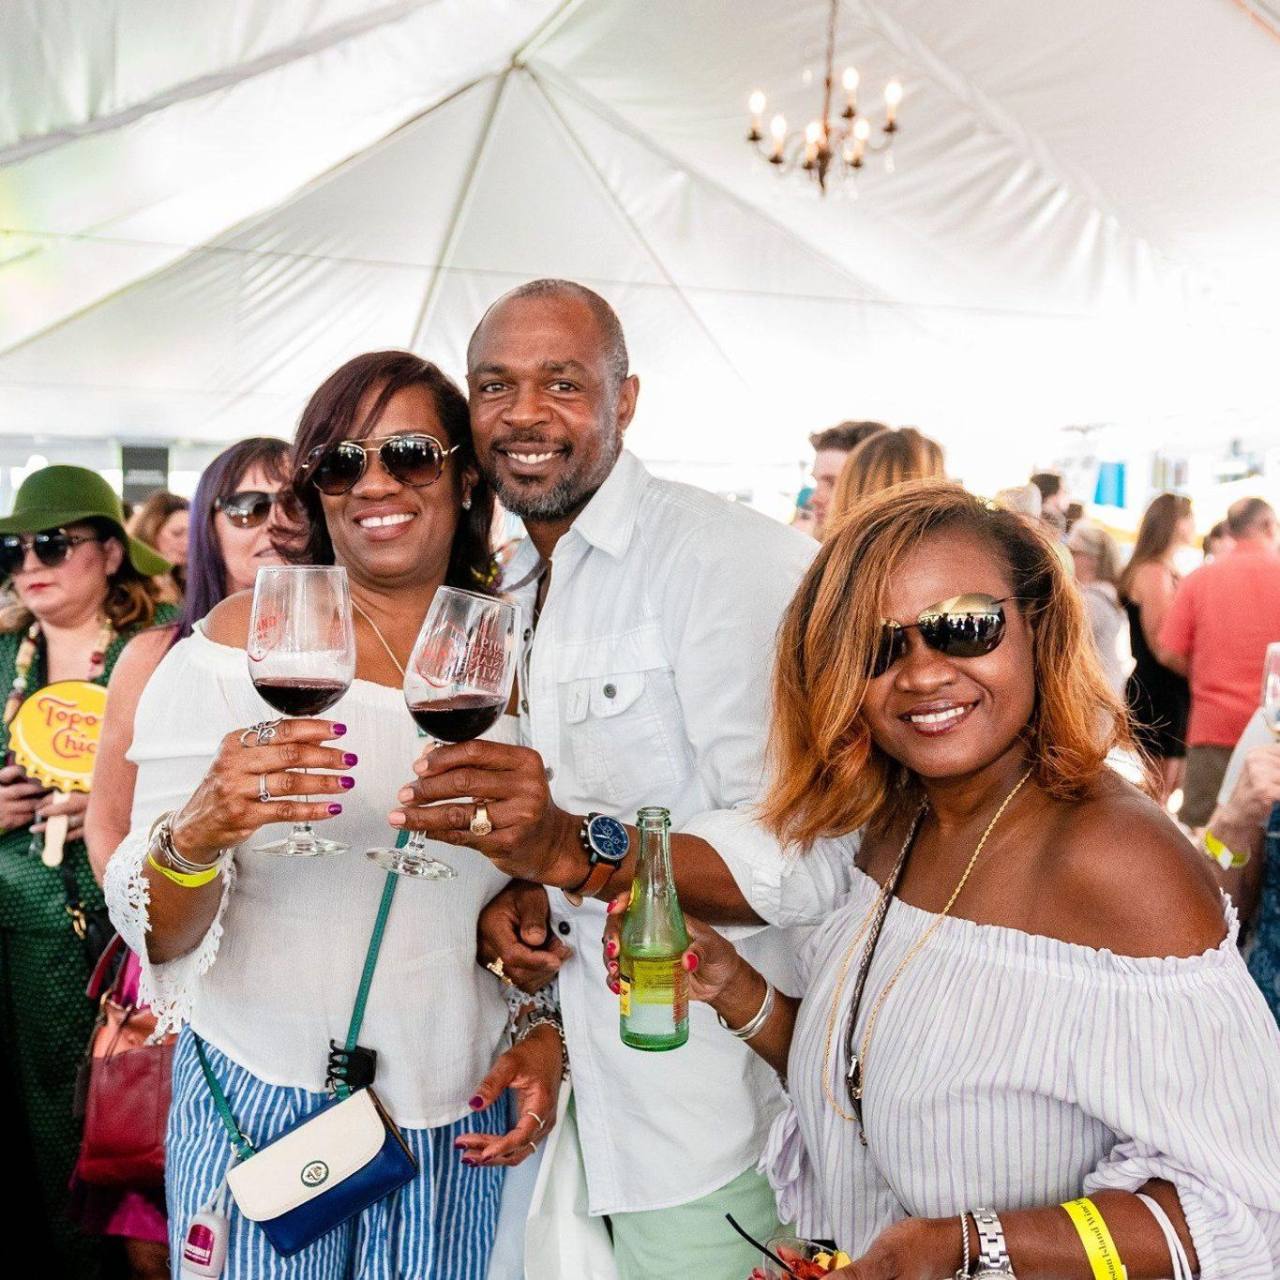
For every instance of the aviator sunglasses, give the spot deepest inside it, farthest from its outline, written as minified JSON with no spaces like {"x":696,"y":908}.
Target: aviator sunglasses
{"x":414,"y":460}
{"x":251,"y":507}
{"x":52,"y":547}
{"x":966,"y":626}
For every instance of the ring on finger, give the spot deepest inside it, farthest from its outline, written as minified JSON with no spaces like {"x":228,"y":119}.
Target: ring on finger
{"x":498,"y":970}
{"x":533,"y":1148}
{"x":263,"y":793}
{"x":537,"y":1117}
{"x":480,"y":824}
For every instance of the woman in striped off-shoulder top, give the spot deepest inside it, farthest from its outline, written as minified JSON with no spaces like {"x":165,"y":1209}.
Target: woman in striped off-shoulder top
{"x":1054,"y":1007}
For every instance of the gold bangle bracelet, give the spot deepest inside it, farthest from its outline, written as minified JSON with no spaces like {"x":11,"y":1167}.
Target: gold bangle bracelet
{"x":181,"y":878}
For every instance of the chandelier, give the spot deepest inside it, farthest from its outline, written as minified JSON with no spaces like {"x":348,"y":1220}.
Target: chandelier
{"x":828,"y":147}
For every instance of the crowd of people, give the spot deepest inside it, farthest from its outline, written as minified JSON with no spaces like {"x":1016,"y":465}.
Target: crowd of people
{"x":970,"y":828}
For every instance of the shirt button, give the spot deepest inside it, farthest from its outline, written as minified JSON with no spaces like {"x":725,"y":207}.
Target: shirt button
{"x":550,"y":772}
{"x":524,"y":705}
{"x":563,"y":926}
{"x":610,"y":690}
{"x":528,"y":633}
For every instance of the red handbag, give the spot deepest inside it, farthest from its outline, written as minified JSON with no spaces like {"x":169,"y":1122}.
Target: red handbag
{"x":126,"y":1103}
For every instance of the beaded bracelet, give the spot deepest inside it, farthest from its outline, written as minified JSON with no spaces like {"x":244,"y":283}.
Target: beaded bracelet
{"x":538,"y":1019}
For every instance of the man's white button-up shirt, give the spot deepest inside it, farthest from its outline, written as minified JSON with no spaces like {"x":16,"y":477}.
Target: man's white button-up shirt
{"x":648,"y":684}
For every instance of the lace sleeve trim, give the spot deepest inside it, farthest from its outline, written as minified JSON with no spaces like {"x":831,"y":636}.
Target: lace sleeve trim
{"x":169,"y":988}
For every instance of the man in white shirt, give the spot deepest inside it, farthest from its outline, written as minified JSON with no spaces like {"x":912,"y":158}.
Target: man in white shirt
{"x":652,"y":611}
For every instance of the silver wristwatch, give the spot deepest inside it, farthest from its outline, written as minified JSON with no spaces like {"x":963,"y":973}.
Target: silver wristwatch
{"x":993,"y":1256}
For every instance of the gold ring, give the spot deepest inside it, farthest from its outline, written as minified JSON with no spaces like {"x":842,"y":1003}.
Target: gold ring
{"x":496,"y":968}
{"x":480,"y":824}
{"x":537,"y":1117}
{"x":533,"y":1147}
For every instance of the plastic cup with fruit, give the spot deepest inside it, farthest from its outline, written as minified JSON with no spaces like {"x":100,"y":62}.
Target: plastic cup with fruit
{"x":803,"y":1259}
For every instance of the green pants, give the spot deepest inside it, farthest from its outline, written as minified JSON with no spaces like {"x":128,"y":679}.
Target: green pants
{"x":45,"y":1021}
{"x":694,"y":1239}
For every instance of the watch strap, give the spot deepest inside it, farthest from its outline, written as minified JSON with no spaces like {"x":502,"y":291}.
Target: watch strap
{"x":596,"y":880}
{"x":993,"y":1254}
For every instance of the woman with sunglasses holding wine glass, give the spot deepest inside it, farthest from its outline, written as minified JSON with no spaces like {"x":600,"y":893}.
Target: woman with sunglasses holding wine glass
{"x":1027,"y":1044}
{"x":83,"y":589}
{"x":264,"y":958}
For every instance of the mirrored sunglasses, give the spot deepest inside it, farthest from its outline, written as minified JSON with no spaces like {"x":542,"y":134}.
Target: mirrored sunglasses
{"x":413,"y":460}
{"x":52,"y":547}
{"x":966,"y":626}
{"x":252,"y":507}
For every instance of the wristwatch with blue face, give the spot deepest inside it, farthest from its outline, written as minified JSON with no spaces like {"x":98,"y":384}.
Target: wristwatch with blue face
{"x":606,"y":843}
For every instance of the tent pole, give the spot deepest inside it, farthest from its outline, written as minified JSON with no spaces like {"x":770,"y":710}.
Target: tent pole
{"x":461,"y":205}
{"x":576,"y":143}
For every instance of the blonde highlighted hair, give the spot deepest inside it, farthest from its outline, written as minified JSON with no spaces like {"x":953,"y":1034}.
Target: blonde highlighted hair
{"x":887,"y":458}
{"x":828,"y":776}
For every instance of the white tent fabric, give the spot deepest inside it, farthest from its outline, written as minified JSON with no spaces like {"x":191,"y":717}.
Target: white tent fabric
{"x":205,"y":208}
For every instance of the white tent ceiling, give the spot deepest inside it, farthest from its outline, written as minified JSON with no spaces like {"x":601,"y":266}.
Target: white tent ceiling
{"x":205,"y":207}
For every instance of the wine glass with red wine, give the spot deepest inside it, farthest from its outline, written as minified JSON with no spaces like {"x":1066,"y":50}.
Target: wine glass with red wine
{"x":302,"y":659}
{"x":456,"y":686}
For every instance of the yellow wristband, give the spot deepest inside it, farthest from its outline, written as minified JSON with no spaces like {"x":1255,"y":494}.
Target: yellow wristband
{"x":1099,"y":1247}
{"x":1219,"y":852}
{"x":179,"y":877}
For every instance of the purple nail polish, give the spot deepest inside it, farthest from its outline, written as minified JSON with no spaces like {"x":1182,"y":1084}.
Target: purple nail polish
{"x":476,"y":1103}
{"x":334,"y":810}
{"x":350,"y":758}
{"x":346,"y":783}
{"x":339,"y":729}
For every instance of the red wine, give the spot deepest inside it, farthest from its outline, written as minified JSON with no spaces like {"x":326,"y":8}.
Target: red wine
{"x":457,"y":719}
{"x":300,"y":696}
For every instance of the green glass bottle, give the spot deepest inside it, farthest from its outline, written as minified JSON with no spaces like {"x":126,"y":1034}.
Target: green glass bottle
{"x":654,"y":1003}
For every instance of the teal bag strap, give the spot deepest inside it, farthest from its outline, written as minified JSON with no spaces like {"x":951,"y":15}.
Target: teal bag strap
{"x":243,"y":1147}
{"x":370,"y":963}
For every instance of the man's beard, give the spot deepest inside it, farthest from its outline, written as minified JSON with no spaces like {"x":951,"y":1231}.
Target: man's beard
{"x":566,"y":497}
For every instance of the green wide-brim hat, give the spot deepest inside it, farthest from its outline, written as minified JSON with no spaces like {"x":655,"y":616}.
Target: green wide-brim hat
{"x":56,"y":496}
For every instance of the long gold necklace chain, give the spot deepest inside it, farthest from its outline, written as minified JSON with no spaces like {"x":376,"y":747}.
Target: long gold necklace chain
{"x":377,"y":631}
{"x":914,"y":951}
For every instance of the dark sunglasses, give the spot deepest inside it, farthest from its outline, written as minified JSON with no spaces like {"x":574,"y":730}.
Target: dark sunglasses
{"x":415,"y":460}
{"x":52,"y":547}
{"x":252,"y":507}
{"x":963,"y":627}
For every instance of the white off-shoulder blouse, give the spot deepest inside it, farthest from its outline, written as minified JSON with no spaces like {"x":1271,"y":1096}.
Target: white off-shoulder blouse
{"x":1014,"y":1071}
{"x":275,"y":976}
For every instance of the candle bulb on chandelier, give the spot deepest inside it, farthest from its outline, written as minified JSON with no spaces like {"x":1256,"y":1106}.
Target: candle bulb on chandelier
{"x":892,"y":99}
{"x":812,"y":136}
{"x":756,"y":104}
{"x":850,"y":82}
{"x":778,"y":132}
{"x":861,"y":132}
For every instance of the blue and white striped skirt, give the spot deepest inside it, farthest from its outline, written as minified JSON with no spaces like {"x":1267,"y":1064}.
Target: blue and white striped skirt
{"x":439,"y":1227}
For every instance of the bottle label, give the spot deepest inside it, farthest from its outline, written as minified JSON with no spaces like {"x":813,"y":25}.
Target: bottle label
{"x":651,"y":988}
{"x":624,"y":997}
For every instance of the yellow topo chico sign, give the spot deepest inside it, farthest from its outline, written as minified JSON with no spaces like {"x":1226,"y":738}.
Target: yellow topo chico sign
{"x":54,"y":736}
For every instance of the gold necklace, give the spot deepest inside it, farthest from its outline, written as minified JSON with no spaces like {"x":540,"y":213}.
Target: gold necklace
{"x":377,"y":631}
{"x":914,"y":951}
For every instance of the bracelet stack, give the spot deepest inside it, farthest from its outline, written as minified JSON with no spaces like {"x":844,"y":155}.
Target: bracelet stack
{"x":182,"y":871}
{"x":753,"y":1027}
{"x":544,"y":1018}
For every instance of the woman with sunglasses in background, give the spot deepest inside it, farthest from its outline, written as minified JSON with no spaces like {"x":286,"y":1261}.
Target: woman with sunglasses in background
{"x":240,"y":518}
{"x":1032,"y":994}
{"x":263,"y":957}
{"x":83,"y":589}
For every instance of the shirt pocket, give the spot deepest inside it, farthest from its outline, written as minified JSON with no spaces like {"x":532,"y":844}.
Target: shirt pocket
{"x":622,"y":720}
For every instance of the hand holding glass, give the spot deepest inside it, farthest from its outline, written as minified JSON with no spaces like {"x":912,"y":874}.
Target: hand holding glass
{"x":456,"y":685}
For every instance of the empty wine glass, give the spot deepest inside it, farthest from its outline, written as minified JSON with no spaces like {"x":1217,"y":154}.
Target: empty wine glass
{"x":302,"y":659}
{"x":456,"y":686}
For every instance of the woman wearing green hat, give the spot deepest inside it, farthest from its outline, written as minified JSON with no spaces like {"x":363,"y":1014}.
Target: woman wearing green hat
{"x":83,"y":589}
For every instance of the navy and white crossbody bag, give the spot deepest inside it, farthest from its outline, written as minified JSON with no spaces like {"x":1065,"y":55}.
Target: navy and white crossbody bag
{"x":328,"y":1166}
